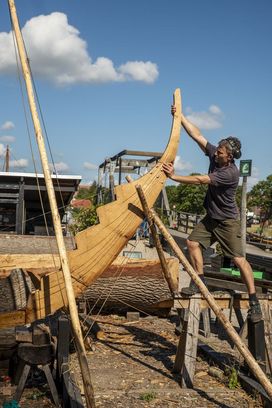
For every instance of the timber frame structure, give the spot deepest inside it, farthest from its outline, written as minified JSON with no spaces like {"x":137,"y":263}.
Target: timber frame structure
{"x":127,"y":162}
{"x":123,"y":162}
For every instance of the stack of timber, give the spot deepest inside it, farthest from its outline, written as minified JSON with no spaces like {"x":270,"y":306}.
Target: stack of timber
{"x":17,"y":285}
{"x":253,"y":237}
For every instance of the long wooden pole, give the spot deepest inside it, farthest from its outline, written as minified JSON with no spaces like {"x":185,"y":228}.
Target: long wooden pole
{"x":157,"y":242}
{"x":55,"y":214}
{"x":253,"y":365}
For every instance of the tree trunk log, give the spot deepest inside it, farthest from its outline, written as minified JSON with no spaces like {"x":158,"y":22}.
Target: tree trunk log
{"x":128,"y":284}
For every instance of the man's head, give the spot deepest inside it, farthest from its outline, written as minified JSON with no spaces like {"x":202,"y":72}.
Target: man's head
{"x":227,"y":150}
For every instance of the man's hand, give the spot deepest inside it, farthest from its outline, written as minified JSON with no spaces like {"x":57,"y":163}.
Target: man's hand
{"x":168,"y":168}
{"x":192,"y":130}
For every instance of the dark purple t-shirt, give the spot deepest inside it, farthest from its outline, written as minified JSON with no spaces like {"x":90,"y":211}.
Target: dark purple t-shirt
{"x":220,"y":202}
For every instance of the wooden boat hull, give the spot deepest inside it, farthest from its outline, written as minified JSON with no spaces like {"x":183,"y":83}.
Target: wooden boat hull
{"x":97,"y":246}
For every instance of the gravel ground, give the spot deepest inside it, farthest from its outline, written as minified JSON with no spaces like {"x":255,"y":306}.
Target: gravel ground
{"x":131,"y":367}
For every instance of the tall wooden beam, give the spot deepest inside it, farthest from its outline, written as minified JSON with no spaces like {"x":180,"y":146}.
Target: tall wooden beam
{"x":168,"y":277}
{"x":54,"y":209}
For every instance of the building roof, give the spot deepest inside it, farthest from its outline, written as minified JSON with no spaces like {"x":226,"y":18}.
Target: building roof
{"x":32,"y":183}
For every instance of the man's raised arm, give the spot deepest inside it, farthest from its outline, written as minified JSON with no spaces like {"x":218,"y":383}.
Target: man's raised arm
{"x":192,"y":131}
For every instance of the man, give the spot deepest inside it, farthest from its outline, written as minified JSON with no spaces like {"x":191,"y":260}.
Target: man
{"x":221,"y":222}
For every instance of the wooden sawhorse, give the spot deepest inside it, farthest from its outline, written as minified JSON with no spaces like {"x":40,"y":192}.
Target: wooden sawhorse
{"x":30,"y":356}
{"x":260,"y":334}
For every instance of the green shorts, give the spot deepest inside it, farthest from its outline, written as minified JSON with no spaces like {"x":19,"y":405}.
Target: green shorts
{"x":226,"y":232}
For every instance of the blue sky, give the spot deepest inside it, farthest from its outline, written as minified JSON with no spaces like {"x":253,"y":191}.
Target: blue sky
{"x":105,"y":72}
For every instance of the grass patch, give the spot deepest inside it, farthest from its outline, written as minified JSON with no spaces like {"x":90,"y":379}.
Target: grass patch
{"x":233,"y":379}
{"x":148,"y":396}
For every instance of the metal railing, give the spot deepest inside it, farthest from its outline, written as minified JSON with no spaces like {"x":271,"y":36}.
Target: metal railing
{"x":181,"y":221}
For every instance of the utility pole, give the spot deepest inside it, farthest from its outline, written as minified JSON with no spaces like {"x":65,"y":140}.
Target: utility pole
{"x":245,"y":172}
{"x":7,"y":159}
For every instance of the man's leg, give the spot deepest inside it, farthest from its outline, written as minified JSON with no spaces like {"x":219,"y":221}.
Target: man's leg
{"x":201,"y":237}
{"x":255,"y":312}
{"x":228,"y":233}
{"x":246,"y":272}
{"x":196,"y":257}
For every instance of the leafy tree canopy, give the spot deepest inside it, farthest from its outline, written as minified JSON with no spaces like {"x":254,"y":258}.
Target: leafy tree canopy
{"x":83,"y":218}
{"x":187,"y":197}
{"x":261,"y":196}
{"x":88,"y":193}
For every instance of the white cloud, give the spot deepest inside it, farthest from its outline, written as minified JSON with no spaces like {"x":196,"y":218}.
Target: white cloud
{"x":59,"y":167}
{"x":7,"y":139}
{"x":89,"y":166}
{"x":181,"y":165}
{"x":208,"y":120}
{"x":139,"y":71}
{"x":21,"y":163}
{"x":58,"y":54}
{"x":215,"y":110}
{"x":8,"y":124}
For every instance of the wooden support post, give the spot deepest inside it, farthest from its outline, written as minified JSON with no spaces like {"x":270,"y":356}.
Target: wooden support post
{"x":187,"y":348}
{"x":267,"y":333}
{"x":20,"y":224}
{"x":51,"y":383}
{"x":256,"y":342}
{"x":64,"y":335}
{"x":22,"y":381}
{"x":157,"y":242}
{"x":239,"y":317}
{"x":243,"y":333}
{"x":167,"y":207}
{"x":253,"y":365}
{"x":206,"y":322}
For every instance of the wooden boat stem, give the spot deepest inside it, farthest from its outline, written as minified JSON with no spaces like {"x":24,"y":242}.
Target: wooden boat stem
{"x":55,"y":214}
{"x":157,"y":241}
{"x":252,"y":363}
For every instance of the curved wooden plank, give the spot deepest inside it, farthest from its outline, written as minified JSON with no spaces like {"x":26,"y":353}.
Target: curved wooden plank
{"x":99,"y":245}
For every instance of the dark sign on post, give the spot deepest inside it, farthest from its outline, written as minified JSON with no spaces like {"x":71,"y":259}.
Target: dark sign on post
{"x":245,"y":168}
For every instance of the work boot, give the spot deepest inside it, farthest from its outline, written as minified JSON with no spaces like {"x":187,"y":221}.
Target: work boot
{"x":190,"y":290}
{"x":255,"y":312}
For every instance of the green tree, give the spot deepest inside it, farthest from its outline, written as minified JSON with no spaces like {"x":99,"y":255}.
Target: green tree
{"x":86,"y":216}
{"x":261,"y":196}
{"x":88,"y":193}
{"x":83,"y":218}
{"x":172,"y":194}
{"x":187,"y":197}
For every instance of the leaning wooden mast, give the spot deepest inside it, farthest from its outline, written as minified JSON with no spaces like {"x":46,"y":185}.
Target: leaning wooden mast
{"x":54,"y":209}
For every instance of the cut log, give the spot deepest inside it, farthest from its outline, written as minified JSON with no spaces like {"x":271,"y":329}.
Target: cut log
{"x":14,"y":291}
{"x":132,"y":283}
{"x":127,"y":282}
